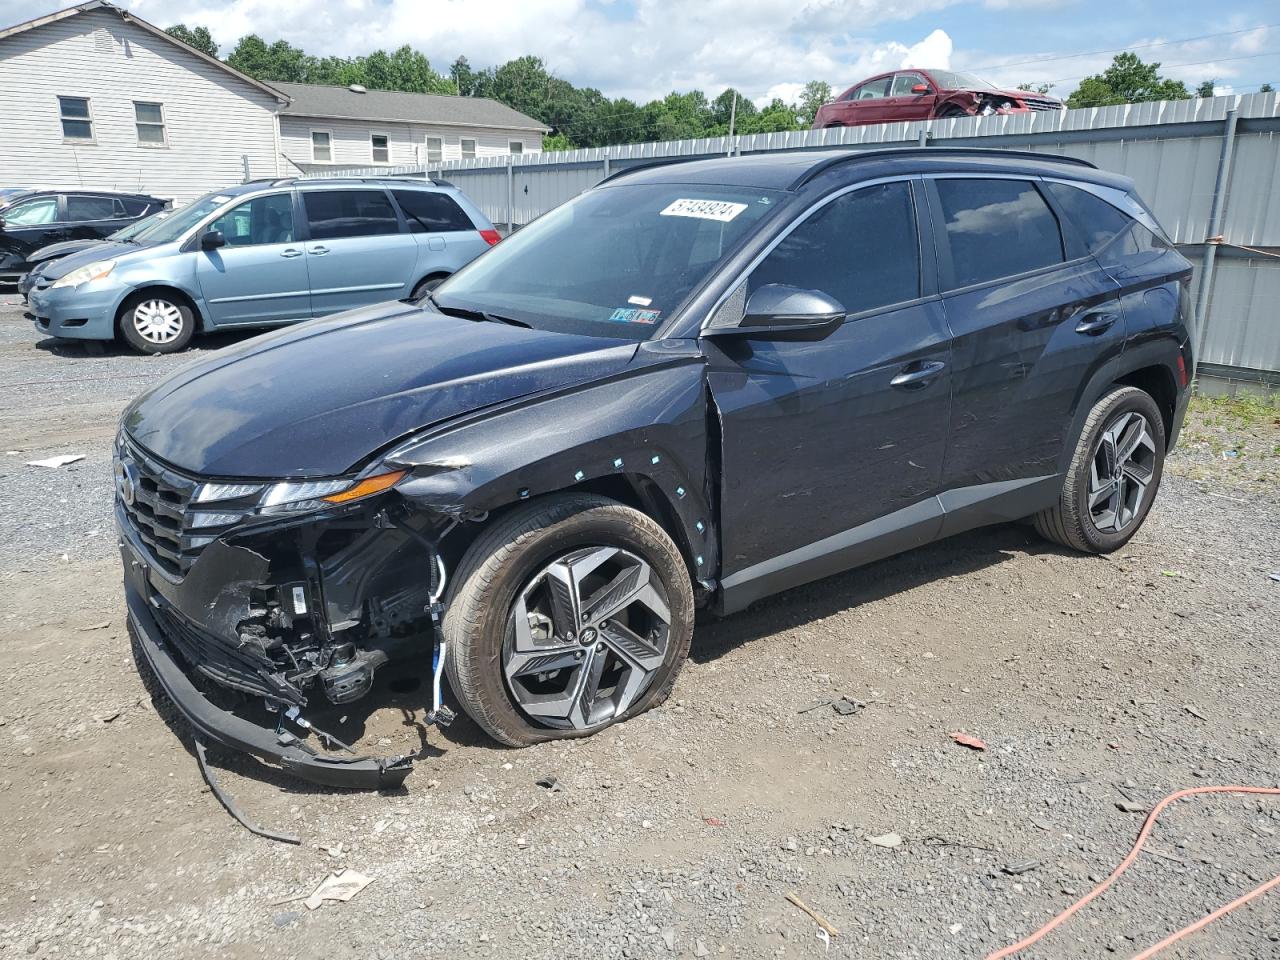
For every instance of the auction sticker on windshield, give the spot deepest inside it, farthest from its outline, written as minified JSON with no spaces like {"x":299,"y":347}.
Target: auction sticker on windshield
{"x":721,"y":210}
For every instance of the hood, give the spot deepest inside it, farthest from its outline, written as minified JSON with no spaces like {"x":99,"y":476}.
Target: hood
{"x":76,"y":253}
{"x":318,"y":398}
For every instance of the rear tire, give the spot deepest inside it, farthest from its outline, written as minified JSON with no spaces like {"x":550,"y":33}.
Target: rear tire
{"x":426,"y":286}
{"x":157,"y":322}
{"x":520,"y":699}
{"x":1113,"y":477}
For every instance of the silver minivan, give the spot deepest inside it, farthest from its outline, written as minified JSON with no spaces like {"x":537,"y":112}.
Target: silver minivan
{"x":262,"y":254}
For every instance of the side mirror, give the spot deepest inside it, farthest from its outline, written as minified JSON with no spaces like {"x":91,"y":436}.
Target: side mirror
{"x":212,"y":240}
{"x":778,"y":311}
{"x":920,"y":88}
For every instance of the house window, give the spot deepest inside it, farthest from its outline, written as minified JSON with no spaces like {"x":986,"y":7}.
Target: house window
{"x":321,"y":146}
{"x":76,"y":122}
{"x":435,"y":149}
{"x":381,"y":148}
{"x":149,"y":118}
{"x":515,"y":146}
{"x":468,"y":149}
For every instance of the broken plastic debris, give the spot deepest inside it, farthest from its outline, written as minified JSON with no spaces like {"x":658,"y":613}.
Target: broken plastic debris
{"x":55,"y":462}
{"x":847,"y":706}
{"x":968,"y":740}
{"x":888,"y":840}
{"x":338,"y":886}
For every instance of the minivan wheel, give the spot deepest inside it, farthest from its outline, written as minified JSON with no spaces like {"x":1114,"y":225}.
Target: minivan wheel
{"x":157,"y":323}
{"x":568,"y":615}
{"x":1113,"y":477}
{"x":426,"y":286}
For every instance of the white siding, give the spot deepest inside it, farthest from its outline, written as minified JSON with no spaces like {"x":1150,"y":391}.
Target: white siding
{"x":351,"y":145}
{"x":211,"y":117}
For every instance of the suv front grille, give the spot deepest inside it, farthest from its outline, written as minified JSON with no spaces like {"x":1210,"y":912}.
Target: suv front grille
{"x":157,"y":501}
{"x":1038,"y":105}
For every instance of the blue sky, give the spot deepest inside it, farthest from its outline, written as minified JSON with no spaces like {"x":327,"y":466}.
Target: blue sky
{"x":646,"y":48}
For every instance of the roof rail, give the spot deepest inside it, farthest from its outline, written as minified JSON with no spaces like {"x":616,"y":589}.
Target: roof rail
{"x":976,"y":152}
{"x":637,"y":167}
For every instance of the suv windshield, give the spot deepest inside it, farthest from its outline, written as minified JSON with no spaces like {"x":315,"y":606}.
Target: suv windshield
{"x":134,"y":230}
{"x":180,"y":221}
{"x":615,"y":262}
{"x":948,"y":80}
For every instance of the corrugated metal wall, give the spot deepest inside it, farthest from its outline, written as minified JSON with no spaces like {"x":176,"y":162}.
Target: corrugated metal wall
{"x":1170,"y":149}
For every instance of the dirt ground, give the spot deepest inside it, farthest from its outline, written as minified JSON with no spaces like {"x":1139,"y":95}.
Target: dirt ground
{"x":1096,"y":683}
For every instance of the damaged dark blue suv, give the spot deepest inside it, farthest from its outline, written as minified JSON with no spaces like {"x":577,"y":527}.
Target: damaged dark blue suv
{"x":694,"y":385}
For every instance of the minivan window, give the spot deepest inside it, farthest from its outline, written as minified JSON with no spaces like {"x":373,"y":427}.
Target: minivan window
{"x":171,"y":228}
{"x":333,"y":214}
{"x":615,"y":262}
{"x":1097,"y":221}
{"x":429,"y":212}
{"x":32,"y":213}
{"x":90,"y":208}
{"x":861,"y":248}
{"x":261,"y":220}
{"x":997,"y":228}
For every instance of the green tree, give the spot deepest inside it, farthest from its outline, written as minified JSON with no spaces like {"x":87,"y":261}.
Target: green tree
{"x":721,"y":109}
{"x":279,"y":61}
{"x":198,"y":37}
{"x":556,"y":141}
{"x":1205,"y":89}
{"x":468,"y":81}
{"x":814,"y":95}
{"x":1040,"y":88}
{"x":777,"y":117}
{"x":1127,"y":80}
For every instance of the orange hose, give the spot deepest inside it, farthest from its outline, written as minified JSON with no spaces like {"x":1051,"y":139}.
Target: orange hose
{"x":1101,"y":888}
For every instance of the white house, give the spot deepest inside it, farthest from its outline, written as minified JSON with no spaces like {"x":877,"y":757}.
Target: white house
{"x":96,"y":98}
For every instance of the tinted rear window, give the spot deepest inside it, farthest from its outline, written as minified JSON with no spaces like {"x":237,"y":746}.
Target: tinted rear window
{"x":860,"y":248}
{"x":91,"y":208}
{"x":333,"y":214}
{"x":428,"y":212}
{"x":1096,"y":221}
{"x":997,"y":228}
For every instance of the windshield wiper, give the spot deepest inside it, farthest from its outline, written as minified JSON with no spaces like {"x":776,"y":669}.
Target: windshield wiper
{"x":466,"y":313}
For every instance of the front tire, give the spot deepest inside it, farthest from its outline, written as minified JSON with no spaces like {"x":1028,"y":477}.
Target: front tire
{"x":1114,"y":475}
{"x":568,"y":615}
{"x":157,"y":323}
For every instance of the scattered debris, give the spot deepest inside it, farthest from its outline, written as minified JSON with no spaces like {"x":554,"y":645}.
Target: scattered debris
{"x":337,"y":886}
{"x":225,"y":799}
{"x":1128,"y":806}
{"x":1170,"y":573}
{"x":847,"y":706}
{"x":700,"y":949}
{"x":286,"y":917}
{"x":56,"y":462}
{"x":889,"y":840}
{"x":933,"y":841}
{"x":1021,"y":867}
{"x":814,"y":915}
{"x":713,"y":821}
{"x":1194,"y":712}
{"x":95,"y":626}
{"x":1275,"y":575}
{"x":334,"y":850}
{"x":968,"y":740}
{"x":549,"y":782}
{"x":669,"y":939}
{"x":826,"y":940}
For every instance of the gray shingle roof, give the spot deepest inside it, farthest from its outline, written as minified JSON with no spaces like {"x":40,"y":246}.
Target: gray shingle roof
{"x":313,"y":100}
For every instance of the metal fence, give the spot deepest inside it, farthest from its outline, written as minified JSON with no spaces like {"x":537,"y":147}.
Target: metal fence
{"x":1210,"y":168}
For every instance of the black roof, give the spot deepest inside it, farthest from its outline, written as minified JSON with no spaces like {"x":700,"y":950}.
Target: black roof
{"x":76,"y":191}
{"x":792,"y":169}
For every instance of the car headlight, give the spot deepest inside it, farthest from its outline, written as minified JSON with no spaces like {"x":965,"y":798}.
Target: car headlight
{"x":292,"y":496}
{"x":89,"y":272}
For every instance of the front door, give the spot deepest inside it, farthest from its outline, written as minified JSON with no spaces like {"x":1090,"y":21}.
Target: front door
{"x":903,"y":104}
{"x":358,"y":252}
{"x":28,"y":225}
{"x":832,"y":450}
{"x":259,"y":275}
{"x":1029,"y":327}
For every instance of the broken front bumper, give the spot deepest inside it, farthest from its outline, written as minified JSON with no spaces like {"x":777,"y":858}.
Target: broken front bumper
{"x":213,"y":724}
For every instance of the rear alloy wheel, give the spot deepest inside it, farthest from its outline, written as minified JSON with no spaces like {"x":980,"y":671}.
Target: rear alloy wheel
{"x":1113,"y":476}
{"x":157,"y":323}
{"x":568,"y":615}
{"x":424,"y":287}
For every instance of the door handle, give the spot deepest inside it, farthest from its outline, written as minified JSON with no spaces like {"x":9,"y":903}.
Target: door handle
{"x":318,"y":251}
{"x":1093,"y":324}
{"x":918,"y":374}
{"x":291,"y":252}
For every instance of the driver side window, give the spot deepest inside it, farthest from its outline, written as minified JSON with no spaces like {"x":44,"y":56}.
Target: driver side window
{"x":261,"y":220}
{"x":860,"y":248}
{"x":33,"y":213}
{"x":903,"y":82}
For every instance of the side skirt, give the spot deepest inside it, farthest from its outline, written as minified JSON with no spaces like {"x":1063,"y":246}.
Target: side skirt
{"x":948,"y":513}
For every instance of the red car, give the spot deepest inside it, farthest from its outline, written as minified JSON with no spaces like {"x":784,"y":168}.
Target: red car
{"x":925,"y":95}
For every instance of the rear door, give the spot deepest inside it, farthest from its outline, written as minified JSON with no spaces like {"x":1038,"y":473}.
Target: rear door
{"x":445,"y":236}
{"x":1031,"y":319}
{"x":902,"y":104}
{"x":833,"y":448}
{"x":92,"y":217}
{"x":865,"y":103}
{"x":260,"y":275}
{"x":358,"y":249}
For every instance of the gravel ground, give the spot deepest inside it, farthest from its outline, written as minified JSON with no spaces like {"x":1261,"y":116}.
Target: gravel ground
{"x":1094,"y":682}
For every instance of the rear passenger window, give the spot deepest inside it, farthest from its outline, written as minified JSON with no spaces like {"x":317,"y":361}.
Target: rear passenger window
{"x":997,"y":228}
{"x":135,"y":208}
{"x":90,"y":208}
{"x":860,"y":248}
{"x":1096,"y":221}
{"x":429,"y":212}
{"x":332,"y":214}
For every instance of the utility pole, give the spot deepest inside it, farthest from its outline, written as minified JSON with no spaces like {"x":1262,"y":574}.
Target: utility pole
{"x":733,"y":115}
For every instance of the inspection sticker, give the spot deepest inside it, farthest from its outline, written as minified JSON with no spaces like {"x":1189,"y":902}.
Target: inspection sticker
{"x":625,"y":315}
{"x":721,"y":210}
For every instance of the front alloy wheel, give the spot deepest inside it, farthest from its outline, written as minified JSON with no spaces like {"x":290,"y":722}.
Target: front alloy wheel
{"x":568,"y":614}
{"x":157,"y":323}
